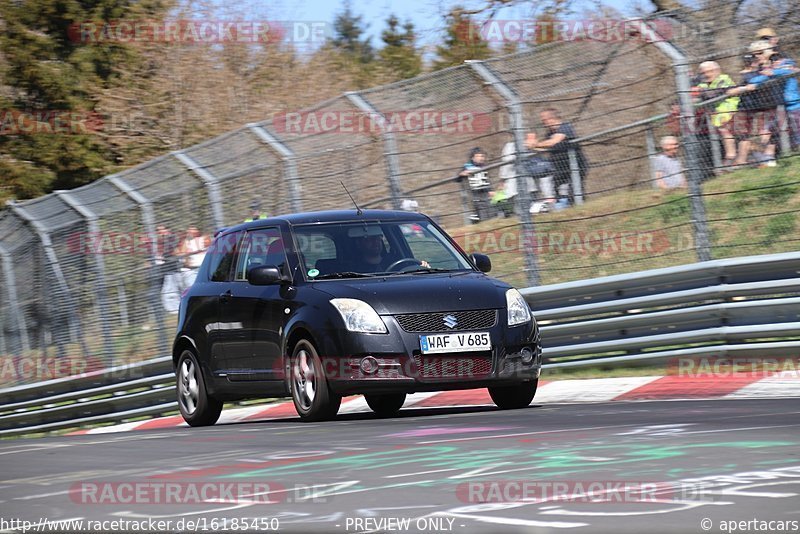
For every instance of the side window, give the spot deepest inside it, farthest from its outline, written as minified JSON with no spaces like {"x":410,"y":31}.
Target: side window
{"x":425,"y":246}
{"x":222,"y":252}
{"x":260,"y":247}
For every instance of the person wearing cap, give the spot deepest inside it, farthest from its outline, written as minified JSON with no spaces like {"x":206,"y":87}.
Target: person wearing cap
{"x":715,"y":85}
{"x":783,"y":65}
{"x":479,"y":184}
{"x":759,"y":102}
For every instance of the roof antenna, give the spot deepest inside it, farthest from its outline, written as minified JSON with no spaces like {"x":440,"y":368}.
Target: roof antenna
{"x":358,"y":210}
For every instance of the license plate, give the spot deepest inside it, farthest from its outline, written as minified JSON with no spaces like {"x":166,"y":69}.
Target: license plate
{"x":461,"y":342}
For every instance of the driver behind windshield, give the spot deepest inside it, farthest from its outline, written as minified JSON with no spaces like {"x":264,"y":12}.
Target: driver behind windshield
{"x":370,"y":255}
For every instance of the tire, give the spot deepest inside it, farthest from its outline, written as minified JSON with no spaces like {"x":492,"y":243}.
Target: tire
{"x":197,"y":407}
{"x":311,"y":394}
{"x":514,"y":397}
{"x":387,"y":404}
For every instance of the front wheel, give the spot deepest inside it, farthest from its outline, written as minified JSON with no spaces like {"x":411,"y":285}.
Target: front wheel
{"x":197,"y":408}
{"x":387,"y":404}
{"x":514,"y":397}
{"x":312,"y":397}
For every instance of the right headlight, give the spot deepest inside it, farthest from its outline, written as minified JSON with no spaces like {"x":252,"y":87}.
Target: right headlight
{"x":359,"y":316}
{"x":518,"y":311}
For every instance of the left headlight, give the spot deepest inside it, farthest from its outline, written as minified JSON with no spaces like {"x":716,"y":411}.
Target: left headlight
{"x":518,"y":311}
{"x":359,"y":316}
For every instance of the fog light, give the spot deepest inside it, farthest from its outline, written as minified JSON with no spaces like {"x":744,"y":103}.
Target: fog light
{"x":526,"y":355}
{"x":369,"y":365}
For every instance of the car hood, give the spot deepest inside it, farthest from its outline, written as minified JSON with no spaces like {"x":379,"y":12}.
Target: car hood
{"x":421,"y":293}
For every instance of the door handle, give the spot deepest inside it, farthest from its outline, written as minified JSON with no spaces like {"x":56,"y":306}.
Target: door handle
{"x":224,"y":298}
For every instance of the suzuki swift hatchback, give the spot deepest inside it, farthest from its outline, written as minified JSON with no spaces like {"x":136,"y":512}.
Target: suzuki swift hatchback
{"x":320,"y":305}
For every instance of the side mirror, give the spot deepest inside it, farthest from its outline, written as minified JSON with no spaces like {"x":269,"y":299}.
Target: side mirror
{"x":482,"y":262}
{"x":264,"y":275}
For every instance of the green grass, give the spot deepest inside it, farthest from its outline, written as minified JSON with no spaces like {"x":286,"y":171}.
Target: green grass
{"x":751,"y":211}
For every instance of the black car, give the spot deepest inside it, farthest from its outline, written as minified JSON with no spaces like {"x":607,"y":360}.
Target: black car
{"x":320,"y":305}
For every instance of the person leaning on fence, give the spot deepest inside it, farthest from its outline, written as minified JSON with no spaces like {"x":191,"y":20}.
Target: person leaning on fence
{"x":668,"y":167}
{"x":758,"y":104}
{"x":784,"y":65}
{"x":479,"y":184}
{"x":560,"y":133}
{"x":715,"y":85}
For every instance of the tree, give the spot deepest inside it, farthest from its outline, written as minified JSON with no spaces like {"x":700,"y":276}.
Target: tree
{"x":349,"y":29}
{"x":463,"y":41}
{"x":48,"y":71}
{"x":399,"y":53}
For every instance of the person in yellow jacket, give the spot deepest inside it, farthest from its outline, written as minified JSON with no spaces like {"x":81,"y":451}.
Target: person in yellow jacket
{"x":715,"y":85}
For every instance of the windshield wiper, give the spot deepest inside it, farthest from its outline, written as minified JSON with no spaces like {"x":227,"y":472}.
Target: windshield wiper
{"x":425,"y":270}
{"x":344,"y":274}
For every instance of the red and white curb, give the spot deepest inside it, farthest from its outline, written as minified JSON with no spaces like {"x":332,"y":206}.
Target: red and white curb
{"x":786,"y":384}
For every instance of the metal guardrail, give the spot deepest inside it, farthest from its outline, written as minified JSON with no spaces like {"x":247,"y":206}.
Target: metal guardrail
{"x":741,"y":306}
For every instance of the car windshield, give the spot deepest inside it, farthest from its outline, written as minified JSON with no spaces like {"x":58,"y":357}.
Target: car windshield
{"x":371,"y":248}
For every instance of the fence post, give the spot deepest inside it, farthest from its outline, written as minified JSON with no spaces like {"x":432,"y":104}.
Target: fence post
{"x":389,"y":144}
{"x":99,"y":268}
{"x":681,"y":65}
{"x":289,"y":164}
{"x":713,"y":136}
{"x":11,"y":287}
{"x":514,"y":108}
{"x":650,"y":140}
{"x":149,"y":222}
{"x":575,"y":174}
{"x":75,"y":328}
{"x":211,"y":183}
{"x":783,"y":121}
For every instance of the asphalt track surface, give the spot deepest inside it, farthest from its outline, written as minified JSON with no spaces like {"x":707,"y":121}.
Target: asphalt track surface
{"x":715,"y":460}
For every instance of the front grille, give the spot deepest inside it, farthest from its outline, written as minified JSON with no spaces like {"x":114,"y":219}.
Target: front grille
{"x":460,"y":367}
{"x":435,"y":322}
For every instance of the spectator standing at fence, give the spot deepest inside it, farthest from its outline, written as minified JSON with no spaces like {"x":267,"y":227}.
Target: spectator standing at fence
{"x":479,"y":185}
{"x":714,"y":85}
{"x":759,"y":102}
{"x":560,"y":133}
{"x":784,"y":65}
{"x":192,"y":251}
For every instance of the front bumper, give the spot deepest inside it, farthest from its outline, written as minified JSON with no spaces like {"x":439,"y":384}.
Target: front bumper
{"x":401,"y":366}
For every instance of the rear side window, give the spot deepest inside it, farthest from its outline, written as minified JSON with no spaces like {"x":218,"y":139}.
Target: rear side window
{"x":222,"y":253}
{"x":261,"y":247}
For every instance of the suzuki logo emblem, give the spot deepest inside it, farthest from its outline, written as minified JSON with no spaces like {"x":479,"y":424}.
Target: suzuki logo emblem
{"x":450,"y":321}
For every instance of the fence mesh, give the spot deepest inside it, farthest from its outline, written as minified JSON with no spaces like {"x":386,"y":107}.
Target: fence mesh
{"x":106,"y":298}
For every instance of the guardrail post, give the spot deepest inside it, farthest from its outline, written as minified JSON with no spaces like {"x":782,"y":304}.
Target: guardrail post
{"x":680,"y":63}
{"x":99,"y":268}
{"x":212,"y":186}
{"x":75,"y":329}
{"x":156,"y":279}
{"x":289,"y":164}
{"x":389,"y":143}
{"x":575,"y":174}
{"x":11,"y":288}
{"x":514,"y":108}
{"x":783,"y":122}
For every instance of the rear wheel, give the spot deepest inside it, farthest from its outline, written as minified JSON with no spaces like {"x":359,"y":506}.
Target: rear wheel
{"x":312,"y":397}
{"x":513,"y":397}
{"x":197,"y":408}
{"x":386,"y":404}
